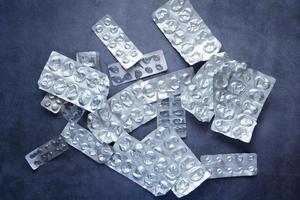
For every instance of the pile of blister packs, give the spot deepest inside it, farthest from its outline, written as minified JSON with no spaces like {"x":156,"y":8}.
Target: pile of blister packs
{"x":224,"y":90}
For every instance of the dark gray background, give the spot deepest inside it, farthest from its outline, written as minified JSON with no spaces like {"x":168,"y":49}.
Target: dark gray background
{"x":265,"y":34}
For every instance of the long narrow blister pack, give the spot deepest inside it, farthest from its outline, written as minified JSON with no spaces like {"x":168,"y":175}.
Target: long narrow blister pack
{"x":152,"y":63}
{"x":117,"y":42}
{"x":46,"y":152}
{"x":230,"y":165}
{"x":238,"y":99}
{"x":191,"y":173}
{"x":186,"y":31}
{"x":197,"y":97}
{"x":52,"y":103}
{"x":86,"y":142}
{"x":73,"y":82}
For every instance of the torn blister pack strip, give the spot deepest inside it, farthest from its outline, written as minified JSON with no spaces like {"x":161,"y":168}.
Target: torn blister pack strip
{"x":197,"y":97}
{"x":238,"y":99}
{"x":46,"y":152}
{"x":230,"y":165}
{"x":191,"y":173}
{"x":73,"y":82}
{"x":86,"y":142}
{"x":117,"y":42}
{"x":89,"y":59}
{"x":152,"y":63}
{"x":52,"y":103}
{"x":186,"y":31}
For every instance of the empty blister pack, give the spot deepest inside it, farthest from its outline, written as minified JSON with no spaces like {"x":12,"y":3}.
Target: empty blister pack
{"x":85,"y":141}
{"x":238,"y":99}
{"x":71,"y":112}
{"x":89,"y":59}
{"x":197,"y":97}
{"x":230,"y":165}
{"x":152,"y":63}
{"x":186,"y":31}
{"x":71,"y":81}
{"x":117,"y":42}
{"x":171,"y":83}
{"x":191,"y":173}
{"x":146,"y":167}
{"x":46,"y":152}
{"x":52,"y":103}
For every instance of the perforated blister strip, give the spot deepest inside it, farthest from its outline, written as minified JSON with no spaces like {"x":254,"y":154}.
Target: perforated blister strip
{"x":52,"y":103}
{"x":186,"y":31}
{"x":197,"y":97}
{"x":46,"y":152}
{"x":89,"y":59}
{"x":238,"y":100}
{"x":73,"y":82}
{"x":191,"y":173}
{"x":152,"y":63}
{"x":117,"y":42}
{"x":86,"y":142}
{"x":230,"y":165}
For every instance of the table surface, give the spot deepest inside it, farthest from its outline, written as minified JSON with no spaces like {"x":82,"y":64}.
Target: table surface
{"x":264,"y":34}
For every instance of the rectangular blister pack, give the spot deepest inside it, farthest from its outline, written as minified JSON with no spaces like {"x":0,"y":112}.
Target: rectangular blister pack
{"x":52,"y":103}
{"x":117,"y":42}
{"x":197,"y":97}
{"x":186,"y":31}
{"x":73,"y":82}
{"x":84,"y":141}
{"x":230,"y":165}
{"x":89,"y":59}
{"x":191,"y":173}
{"x":238,"y":99}
{"x":152,"y":63}
{"x":46,"y":152}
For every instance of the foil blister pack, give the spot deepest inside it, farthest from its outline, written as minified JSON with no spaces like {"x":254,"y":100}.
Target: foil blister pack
{"x":46,"y":152}
{"x":191,"y":173}
{"x":151,"y":63}
{"x":186,"y":31}
{"x":238,"y":100}
{"x":73,"y":82}
{"x":197,"y":97}
{"x":117,"y":42}
{"x":230,"y":165}
{"x":89,"y":59}
{"x":52,"y":103}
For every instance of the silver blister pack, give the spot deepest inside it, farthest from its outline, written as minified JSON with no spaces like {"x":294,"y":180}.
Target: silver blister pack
{"x":141,"y":164}
{"x":238,"y":99}
{"x":230,"y":165}
{"x":46,"y":152}
{"x":191,"y":173}
{"x":73,"y":82}
{"x":197,"y":97}
{"x":171,"y":114}
{"x":117,"y":42}
{"x":52,"y":103}
{"x":86,"y":142}
{"x":152,"y":63}
{"x":171,"y":83}
{"x":89,"y":59}
{"x":186,"y":31}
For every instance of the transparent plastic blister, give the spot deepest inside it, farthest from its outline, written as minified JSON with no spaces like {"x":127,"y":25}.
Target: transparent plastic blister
{"x":191,"y":173}
{"x":186,"y":31}
{"x":238,"y":99}
{"x":117,"y":42}
{"x":152,"y":63}
{"x":89,"y":59}
{"x":197,"y":97}
{"x":52,"y":103}
{"x":46,"y":152}
{"x":86,"y":142}
{"x":71,"y":112}
{"x":73,"y":82}
{"x":230,"y":165}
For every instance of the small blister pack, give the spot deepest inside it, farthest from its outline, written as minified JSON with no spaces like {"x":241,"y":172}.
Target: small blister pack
{"x":197,"y":97}
{"x":117,"y":42}
{"x":171,"y":83}
{"x":230,"y":165}
{"x":86,"y":142}
{"x":238,"y":99}
{"x":89,"y":59}
{"x":52,"y":103}
{"x":186,"y":31}
{"x":152,"y":63}
{"x":46,"y":152}
{"x":73,"y":82}
{"x":191,"y":173}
